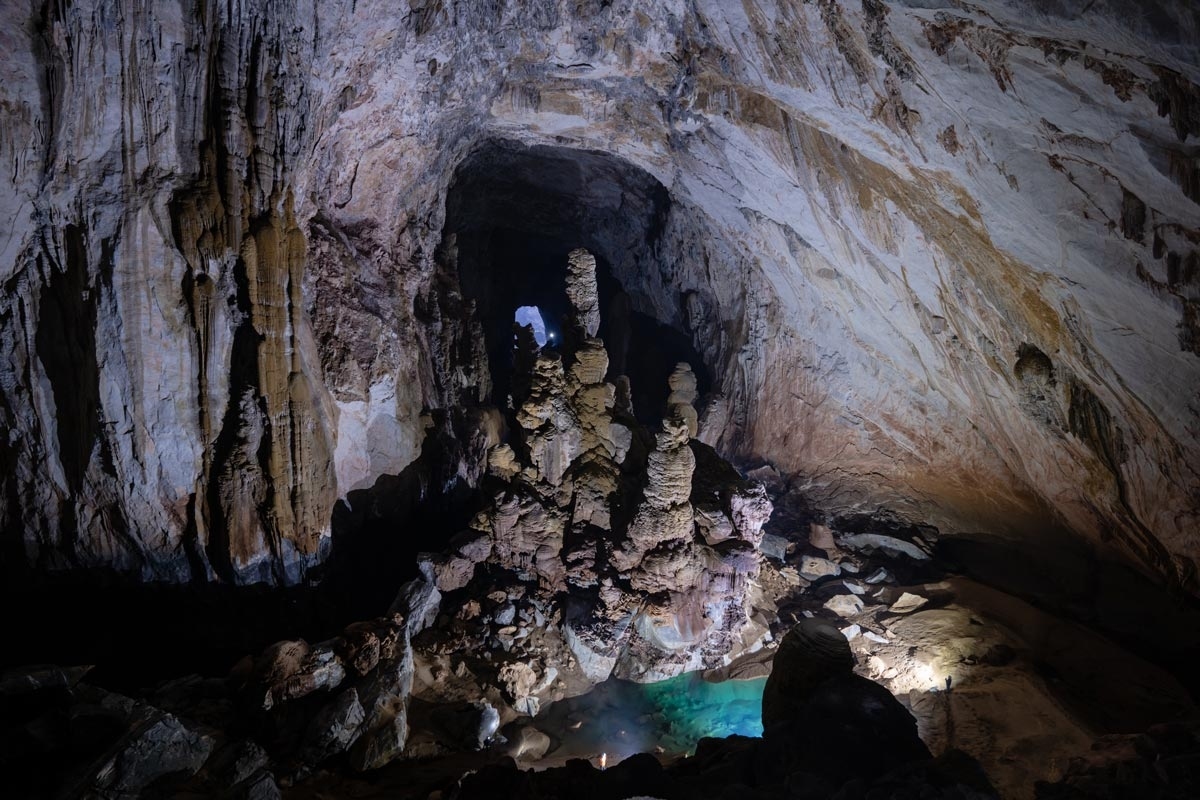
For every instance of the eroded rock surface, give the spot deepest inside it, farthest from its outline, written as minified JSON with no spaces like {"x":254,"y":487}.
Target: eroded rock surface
{"x":67,"y":738}
{"x":939,"y":258}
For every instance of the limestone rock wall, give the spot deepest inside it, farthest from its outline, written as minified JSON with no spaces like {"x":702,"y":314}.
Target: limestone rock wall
{"x":939,"y":257}
{"x":164,"y":402}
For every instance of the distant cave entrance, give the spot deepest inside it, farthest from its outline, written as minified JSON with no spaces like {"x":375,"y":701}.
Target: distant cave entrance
{"x":513,"y":213}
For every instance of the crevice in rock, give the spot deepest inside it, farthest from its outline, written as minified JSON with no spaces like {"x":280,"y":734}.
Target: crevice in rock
{"x":66,"y":346}
{"x":1133,"y":216}
{"x":1178,"y":99}
{"x":243,"y":373}
{"x":1090,"y":421}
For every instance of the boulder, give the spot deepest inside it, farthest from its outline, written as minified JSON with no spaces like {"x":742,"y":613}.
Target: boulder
{"x":811,"y":652}
{"x":528,"y":744}
{"x":382,"y":743}
{"x":334,"y":728}
{"x":888,"y":545}
{"x":819,"y":718}
{"x":907,"y":603}
{"x":813,"y":568}
{"x":154,"y":746}
{"x":845,"y":605}
{"x":320,"y":669}
{"x":466,"y":725}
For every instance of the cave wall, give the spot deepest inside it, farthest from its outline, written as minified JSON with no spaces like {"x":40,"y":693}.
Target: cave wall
{"x":940,"y":258}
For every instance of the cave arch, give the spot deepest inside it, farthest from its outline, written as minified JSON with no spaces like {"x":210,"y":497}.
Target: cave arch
{"x":513,"y":212}
{"x":1036,"y":376}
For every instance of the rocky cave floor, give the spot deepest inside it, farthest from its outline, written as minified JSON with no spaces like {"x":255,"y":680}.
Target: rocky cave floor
{"x":1046,"y":707}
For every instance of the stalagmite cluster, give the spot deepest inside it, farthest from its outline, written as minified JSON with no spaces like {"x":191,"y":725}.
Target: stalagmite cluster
{"x":601,"y":552}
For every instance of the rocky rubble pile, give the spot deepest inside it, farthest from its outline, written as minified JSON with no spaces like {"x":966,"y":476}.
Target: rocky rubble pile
{"x":265,"y":725}
{"x":850,"y":578}
{"x":63,"y":737}
{"x":973,"y":664}
{"x":442,"y":673}
{"x":1163,"y":762}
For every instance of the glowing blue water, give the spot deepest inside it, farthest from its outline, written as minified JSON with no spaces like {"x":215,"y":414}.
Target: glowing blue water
{"x":690,"y":708}
{"x":623,"y":718}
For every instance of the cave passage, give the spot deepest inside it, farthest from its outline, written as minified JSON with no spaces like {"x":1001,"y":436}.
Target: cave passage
{"x":514,"y":213}
{"x":532,"y":317}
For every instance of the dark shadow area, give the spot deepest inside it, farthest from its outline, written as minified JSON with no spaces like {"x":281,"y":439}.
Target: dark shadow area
{"x":512,"y":216}
{"x":141,"y":633}
{"x":66,"y":346}
{"x":378,"y":532}
{"x":1064,"y":576}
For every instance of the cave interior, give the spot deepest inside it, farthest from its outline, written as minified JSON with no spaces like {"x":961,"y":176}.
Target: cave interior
{"x":513,"y":214}
{"x":567,"y":586}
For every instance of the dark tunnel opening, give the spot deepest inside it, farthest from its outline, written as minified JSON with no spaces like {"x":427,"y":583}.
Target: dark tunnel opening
{"x":513,"y":213}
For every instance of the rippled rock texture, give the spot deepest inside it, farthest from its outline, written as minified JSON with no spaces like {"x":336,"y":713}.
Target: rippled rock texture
{"x":938,"y":257}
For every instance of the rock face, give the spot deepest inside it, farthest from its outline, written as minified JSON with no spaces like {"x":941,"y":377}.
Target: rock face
{"x":938,"y":258}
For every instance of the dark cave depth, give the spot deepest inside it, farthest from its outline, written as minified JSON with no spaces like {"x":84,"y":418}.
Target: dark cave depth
{"x":513,"y":213}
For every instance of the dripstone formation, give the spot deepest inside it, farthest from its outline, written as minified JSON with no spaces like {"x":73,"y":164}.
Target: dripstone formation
{"x":605,"y":549}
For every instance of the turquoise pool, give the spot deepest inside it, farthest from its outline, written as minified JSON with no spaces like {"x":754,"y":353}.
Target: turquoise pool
{"x":622,"y":718}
